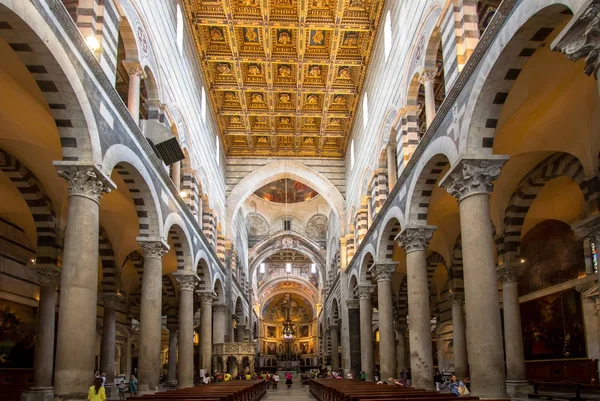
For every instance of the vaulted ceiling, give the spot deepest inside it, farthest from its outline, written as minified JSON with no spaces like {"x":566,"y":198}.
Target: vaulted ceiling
{"x":284,"y":76}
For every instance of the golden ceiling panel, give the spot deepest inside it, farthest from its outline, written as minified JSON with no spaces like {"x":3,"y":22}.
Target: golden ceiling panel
{"x":284,"y":76}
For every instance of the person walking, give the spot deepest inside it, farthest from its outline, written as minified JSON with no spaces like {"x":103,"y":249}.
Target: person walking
{"x":437,"y":379}
{"x":133,"y":386}
{"x":288,"y":380}
{"x":363,"y":376}
{"x":97,"y":392}
{"x":408,"y":377}
{"x":275,"y":381}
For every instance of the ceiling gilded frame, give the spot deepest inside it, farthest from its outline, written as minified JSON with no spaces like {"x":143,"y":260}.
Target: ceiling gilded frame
{"x":284,"y":76}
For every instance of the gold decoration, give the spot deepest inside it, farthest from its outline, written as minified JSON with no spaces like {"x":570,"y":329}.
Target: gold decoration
{"x":312,"y":99}
{"x":339,"y":99}
{"x":254,"y":69}
{"x":216,"y":34}
{"x":350,"y":39}
{"x":314,"y":71}
{"x":230,"y":97}
{"x":285,"y":98}
{"x":344,"y":73}
{"x":224,"y":69}
{"x":257,"y":97}
{"x":284,"y":37}
{"x":284,"y":71}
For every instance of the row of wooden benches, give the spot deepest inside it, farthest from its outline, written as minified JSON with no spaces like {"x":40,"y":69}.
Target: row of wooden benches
{"x":238,"y":390}
{"x":351,"y":390}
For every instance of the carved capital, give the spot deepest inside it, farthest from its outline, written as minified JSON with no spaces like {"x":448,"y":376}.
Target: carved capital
{"x":364,"y":291}
{"x":49,"y":275}
{"x":457,"y":299}
{"x":472,"y":175}
{"x":384,"y":271}
{"x":509,"y":272}
{"x":134,"y":68}
{"x":582,"y":39}
{"x":186,"y":281}
{"x":334,"y":328}
{"x":415,"y":238}
{"x":84,"y":180}
{"x":352,"y":303}
{"x":207,"y":298}
{"x":427,"y":76}
{"x":153,"y":248}
{"x":588,"y":228}
{"x":172,"y":328}
{"x":219,"y":308}
{"x":112,"y":300}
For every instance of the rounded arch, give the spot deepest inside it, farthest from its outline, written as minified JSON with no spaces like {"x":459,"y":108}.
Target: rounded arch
{"x":335,"y":312}
{"x":30,"y":27}
{"x":392,"y":223}
{"x":352,"y":284}
{"x":177,"y":231}
{"x":278,"y":170}
{"x":412,"y":92}
{"x":110,"y":280}
{"x":203,"y":270}
{"x":435,"y":158}
{"x":368,"y":259}
{"x":151,"y":83}
{"x":529,"y":22}
{"x":139,"y":184}
{"x":219,"y":290}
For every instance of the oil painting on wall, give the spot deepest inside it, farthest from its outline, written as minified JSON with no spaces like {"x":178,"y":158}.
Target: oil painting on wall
{"x":17,"y":329}
{"x":553,"y":327}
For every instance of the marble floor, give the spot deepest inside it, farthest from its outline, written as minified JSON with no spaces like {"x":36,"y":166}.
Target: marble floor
{"x":296,"y":393}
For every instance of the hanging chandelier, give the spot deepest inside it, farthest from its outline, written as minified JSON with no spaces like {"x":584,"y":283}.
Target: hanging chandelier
{"x":288,"y":326}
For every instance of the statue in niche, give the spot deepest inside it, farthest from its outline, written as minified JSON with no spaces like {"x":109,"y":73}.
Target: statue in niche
{"x":312,"y":99}
{"x":284,"y":120}
{"x":285,"y":71}
{"x":216,"y":34}
{"x":257,"y":98}
{"x":235,"y":120}
{"x":253,"y":69}
{"x":284,"y":38}
{"x":224,"y":69}
{"x":317,"y":38}
{"x":344,"y":73}
{"x":350,"y":39}
{"x":230,"y":97}
{"x":285,"y":98}
{"x":339,"y":99}
{"x":314,"y":71}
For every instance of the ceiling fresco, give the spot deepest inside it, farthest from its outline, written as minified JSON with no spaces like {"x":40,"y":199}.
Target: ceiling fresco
{"x":284,"y":76}
{"x":275,"y":309}
{"x":275,"y":191}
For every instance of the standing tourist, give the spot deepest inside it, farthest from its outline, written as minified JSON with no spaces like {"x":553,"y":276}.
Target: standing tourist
{"x":97,"y":392}
{"x":288,"y":379}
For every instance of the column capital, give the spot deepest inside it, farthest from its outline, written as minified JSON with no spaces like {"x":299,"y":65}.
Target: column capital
{"x":588,"y":228}
{"x":49,"y":275}
{"x":415,"y":238}
{"x":219,"y":308}
{"x":207,"y":298}
{"x":173,"y":328}
{"x":84,"y":179}
{"x":334,"y":327}
{"x":457,"y":299}
{"x":153,"y":248}
{"x":473,"y":175}
{"x":581,"y":38}
{"x":427,"y":76}
{"x":384,"y":271}
{"x":187,"y":281}
{"x":134,"y":67}
{"x":509,"y":272}
{"x":365,"y":291}
{"x":352,"y":303}
{"x":112,"y":300}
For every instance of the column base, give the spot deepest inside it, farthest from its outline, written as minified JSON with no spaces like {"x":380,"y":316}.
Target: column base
{"x":38,"y":394}
{"x":172,"y":383}
{"x":518,"y":388}
{"x":111,"y":391}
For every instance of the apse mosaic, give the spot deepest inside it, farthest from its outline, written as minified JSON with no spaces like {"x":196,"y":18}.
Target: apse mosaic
{"x":276,"y":308}
{"x":276,"y":191}
{"x":285,"y":76}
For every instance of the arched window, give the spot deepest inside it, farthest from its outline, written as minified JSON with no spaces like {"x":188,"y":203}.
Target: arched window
{"x":352,"y":154}
{"x":365,"y":110}
{"x":387,"y":35}
{"x":179,"y":29}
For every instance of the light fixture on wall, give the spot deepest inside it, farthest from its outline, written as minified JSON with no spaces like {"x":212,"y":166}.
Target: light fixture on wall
{"x":313,"y":268}
{"x":92,"y":42}
{"x":183,"y":194}
{"x":262,"y":268}
{"x":288,"y":267}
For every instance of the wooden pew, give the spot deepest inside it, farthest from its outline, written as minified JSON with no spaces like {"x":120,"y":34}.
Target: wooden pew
{"x":230,"y":391}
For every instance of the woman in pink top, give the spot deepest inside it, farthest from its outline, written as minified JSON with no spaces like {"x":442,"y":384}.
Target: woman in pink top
{"x":288,"y":379}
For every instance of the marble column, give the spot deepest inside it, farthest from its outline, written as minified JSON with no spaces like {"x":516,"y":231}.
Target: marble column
{"x":187,"y":282}
{"x":136,"y":73}
{"x":172,"y":363}
{"x":459,"y":338}
{"x":427,"y":79}
{"x":369,"y":211}
{"x":354,"y":337}
{"x":387,"y":338}
{"x":415,"y":240}
{"x":177,"y":175}
{"x":580,"y":39}
{"x":335,"y":354}
{"x":401,"y":347}
{"x":79,"y":279}
{"x":219,"y":321}
{"x":151,"y":314}
{"x":109,"y":334}
{"x":391,"y":166}
{"x":470,"y":181}
{"x":49,"y":276}
{"x":367,"y":360}
{"x":241,"y":332}
{"x":516,"y":378}
{"x":207,"y":331}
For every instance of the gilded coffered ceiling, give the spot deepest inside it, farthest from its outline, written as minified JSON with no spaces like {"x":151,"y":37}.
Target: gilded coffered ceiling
{"x":284,"y":76}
